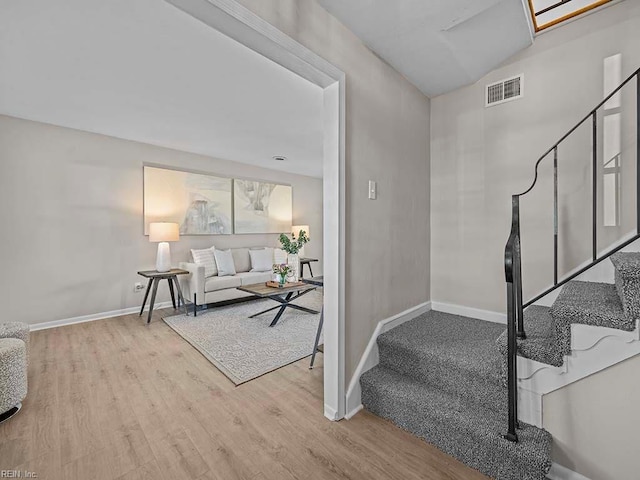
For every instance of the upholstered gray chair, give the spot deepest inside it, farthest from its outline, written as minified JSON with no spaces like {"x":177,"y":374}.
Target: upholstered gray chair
{"x":13,"y":376}
{"x":16,"y":330}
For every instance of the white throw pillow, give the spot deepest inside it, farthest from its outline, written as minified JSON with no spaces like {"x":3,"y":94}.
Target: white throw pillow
{"x":207,"y":258}
{"x":279,"y":256}
{"x":224,"y":261}
{"x":261,"y":260}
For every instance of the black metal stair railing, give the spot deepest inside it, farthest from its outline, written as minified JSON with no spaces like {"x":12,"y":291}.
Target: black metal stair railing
{"x":512,"y":255}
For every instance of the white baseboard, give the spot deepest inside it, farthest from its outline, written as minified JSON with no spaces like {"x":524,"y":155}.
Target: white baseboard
{"x":331,"y":413}
{"x":461,"y":310}
{"x":353,"y":412}
{"x":558,"y":472}
{"x":369,"y":358}
{"x":92,"y":317}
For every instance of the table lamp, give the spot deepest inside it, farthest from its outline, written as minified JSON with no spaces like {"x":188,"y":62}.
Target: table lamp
{"x":163,"y":232}
{"x":295,"y":230}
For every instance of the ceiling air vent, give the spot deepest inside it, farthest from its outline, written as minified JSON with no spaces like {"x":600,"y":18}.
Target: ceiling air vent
{"x":505,"y":90}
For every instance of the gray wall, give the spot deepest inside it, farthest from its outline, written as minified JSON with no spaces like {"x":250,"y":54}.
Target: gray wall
{"x":387,"y":140}
{"x":72,"y":233}
{"x":480,"y":156}
{"x":596,"y":425}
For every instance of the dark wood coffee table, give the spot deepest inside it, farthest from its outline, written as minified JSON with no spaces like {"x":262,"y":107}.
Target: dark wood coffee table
{"x":289,"y":292}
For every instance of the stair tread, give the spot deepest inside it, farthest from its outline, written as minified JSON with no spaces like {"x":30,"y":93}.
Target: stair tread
{"x":469,"y":432}
{"x":540,"y":342}
{"x":627,"y":263}
{"x":591,"y":303}
{"x":448,"y":341}
{"x":627,"y":281}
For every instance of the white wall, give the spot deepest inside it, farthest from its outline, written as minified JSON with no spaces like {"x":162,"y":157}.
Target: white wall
{"x":387,"y":140}
{"x":72,"y":229}
{"x":481,"y":156}
{"x":596,"y":425}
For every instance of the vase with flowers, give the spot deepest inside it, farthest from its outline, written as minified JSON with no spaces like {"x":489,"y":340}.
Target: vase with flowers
{"x":282,"y":270}
{"x":292,"y":246}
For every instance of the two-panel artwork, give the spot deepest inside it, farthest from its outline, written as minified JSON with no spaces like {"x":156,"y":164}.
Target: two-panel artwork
{"x":208,"y":205}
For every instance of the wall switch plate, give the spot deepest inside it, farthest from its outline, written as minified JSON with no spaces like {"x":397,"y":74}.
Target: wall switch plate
{"x":372,"y":190}
{"x":138,"y":287}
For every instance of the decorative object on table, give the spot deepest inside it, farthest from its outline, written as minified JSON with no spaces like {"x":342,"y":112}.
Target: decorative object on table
{"x":154,"y":279}
{"x":245,"y":348}
{"x":261,"y":207}
{"x":13,"y":376}
{"x":292,"y":246}
{"x":163,"y":233}
{"x":201,"y":204}
{"x":277,"y":284}
{"x":295,"y":230}
{"x":282,"y":271}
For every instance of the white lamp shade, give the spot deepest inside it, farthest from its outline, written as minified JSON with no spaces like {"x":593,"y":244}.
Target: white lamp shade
{"x":296,"y":230}
{"x":164,"y":232}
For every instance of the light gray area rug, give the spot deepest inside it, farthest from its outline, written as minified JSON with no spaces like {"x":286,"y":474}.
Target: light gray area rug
{"x":245,"y":348}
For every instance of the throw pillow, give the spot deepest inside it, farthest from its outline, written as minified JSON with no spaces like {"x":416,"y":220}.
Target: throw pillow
{"x":207,"y":258}
{"x":261,"y":260}
{"x":224,"y":261}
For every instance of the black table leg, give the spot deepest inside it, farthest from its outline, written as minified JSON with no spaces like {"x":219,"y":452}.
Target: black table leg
{"x":146,"y":295}
{"x":180,"y":297}
{"x":315,"y":345}
{"x":278,"y":315}
{"x":310,"y":270}
{"x":265,"y":311}
{"x":303,"y":309}
{"x":277,"y":299}
{"x":173,"y":296}
{"x":156,"y":281}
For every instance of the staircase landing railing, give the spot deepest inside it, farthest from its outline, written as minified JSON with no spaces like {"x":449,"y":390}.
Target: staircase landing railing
{"x":513,"y":258}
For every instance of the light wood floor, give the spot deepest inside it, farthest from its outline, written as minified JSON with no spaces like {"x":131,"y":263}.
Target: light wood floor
{"x":115,"y":399}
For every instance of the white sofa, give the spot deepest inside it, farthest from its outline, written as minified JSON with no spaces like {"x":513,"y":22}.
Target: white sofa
{"x":214,"y":289}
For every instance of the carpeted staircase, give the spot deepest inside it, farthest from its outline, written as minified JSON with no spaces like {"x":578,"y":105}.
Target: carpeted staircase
{"x":609,"y":305}
{"x":441,"y":376}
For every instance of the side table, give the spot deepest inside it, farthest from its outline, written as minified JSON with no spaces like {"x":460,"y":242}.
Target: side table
{"x":154,"y":279}
{"x":306,"y":261}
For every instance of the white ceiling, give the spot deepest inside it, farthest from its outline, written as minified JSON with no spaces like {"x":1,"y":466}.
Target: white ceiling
{"x":438,"y":45}
{"x":145,"y":71}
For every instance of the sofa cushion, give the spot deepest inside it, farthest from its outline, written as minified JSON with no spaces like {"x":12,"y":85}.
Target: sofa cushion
{"x":279,"y":256}
{"x":249,"y":278}
{"x":225,"y":263}
{"x":241,"y":259}
{"x":213,"y":284}
{"x":261,"y":260}
{"x":207,"y":258}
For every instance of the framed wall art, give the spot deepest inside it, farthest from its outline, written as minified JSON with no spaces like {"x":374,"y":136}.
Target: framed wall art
{"x":201,"y":204}
{"x":261,"y":207}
